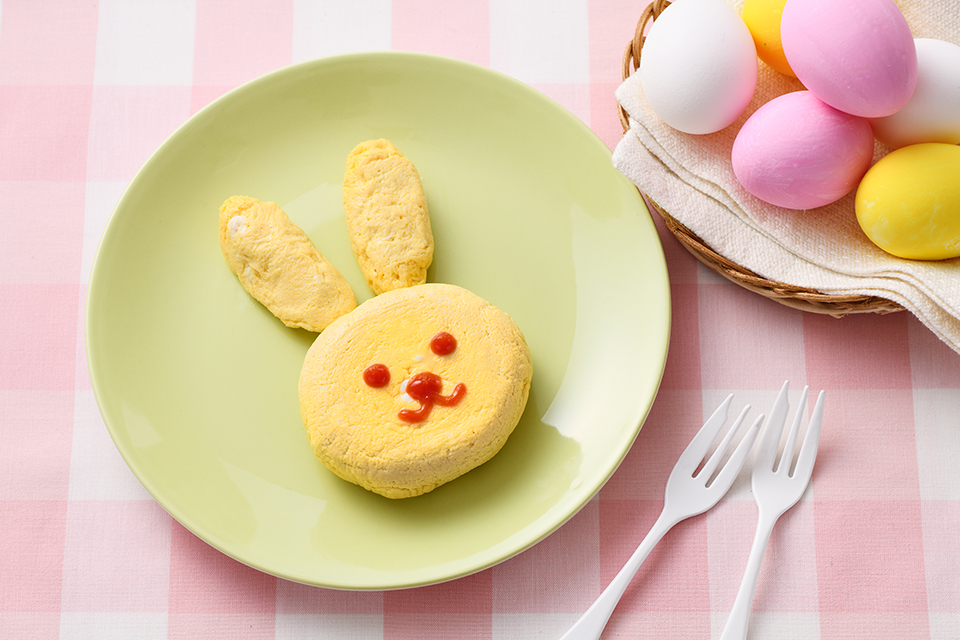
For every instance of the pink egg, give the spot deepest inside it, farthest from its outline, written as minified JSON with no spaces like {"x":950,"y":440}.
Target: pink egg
{"x":799,"y":153}
{"x":857,"y":55}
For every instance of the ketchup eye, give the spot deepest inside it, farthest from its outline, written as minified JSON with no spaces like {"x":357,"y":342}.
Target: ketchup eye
{"x":376,"y":376}
{"x":443,"y":344}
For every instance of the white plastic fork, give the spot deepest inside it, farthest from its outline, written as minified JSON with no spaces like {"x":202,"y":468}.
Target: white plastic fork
{"x":688,"y":493}
{"x":775,"y":490}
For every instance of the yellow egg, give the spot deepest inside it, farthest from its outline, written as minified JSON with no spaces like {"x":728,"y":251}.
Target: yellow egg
{"x":908,"y":203}
{"x":763,"y":20}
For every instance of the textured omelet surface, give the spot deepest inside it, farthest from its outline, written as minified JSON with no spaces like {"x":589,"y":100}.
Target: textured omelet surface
{"x":279,"y":265}
{"x":355,"y":430}
{"x":387,"y":216}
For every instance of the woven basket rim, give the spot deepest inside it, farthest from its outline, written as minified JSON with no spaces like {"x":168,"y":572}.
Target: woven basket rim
{"x":803,"y":298}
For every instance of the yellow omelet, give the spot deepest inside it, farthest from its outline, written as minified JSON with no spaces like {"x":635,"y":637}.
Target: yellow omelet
{"x":414,"y":388}
{"x":387,"y":216}
{"x":277,"y":263}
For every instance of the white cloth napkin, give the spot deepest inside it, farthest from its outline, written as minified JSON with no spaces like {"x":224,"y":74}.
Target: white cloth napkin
{"x":691,"y":178}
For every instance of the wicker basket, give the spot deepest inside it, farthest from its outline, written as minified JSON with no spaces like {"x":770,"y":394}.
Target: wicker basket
{"x":802,"y":298}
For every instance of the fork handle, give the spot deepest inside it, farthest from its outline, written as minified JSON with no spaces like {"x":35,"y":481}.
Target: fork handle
{"x":736,"y":627}
{"x":592,"y":622}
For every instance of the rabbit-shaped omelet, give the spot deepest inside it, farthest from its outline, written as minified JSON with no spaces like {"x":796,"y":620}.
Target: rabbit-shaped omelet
{"x":415,"y":386}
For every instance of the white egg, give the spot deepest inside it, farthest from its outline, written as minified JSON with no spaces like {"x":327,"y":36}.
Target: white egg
{"x":933,"y":112}
{"x":698,"y":66}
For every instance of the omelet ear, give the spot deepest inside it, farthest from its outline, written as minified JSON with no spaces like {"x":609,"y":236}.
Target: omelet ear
{"x":387,"y":217}
{"x":280,"y":267}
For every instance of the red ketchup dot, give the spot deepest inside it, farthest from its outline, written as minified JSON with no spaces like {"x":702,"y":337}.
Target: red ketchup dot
{"x":443,"y":344}
{"x":376,"y":375}
{"x":425,"y":388}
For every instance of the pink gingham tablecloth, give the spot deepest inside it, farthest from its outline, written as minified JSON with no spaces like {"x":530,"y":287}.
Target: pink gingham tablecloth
{"x":88,"y":90}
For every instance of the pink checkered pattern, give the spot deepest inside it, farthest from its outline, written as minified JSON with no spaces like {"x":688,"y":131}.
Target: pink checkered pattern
{"x":88,"y":90}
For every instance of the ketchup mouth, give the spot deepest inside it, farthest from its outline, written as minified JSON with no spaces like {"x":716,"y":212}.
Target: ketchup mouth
{"x":425,"y":388}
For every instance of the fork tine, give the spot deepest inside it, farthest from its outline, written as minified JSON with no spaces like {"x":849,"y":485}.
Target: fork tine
{"x":770,"y":440}
{"x":731,"y":469}
{"x":714,"y":461}
{"x":698,"y":447}
{"x":791,"y":444}
{"x":808,"y":450}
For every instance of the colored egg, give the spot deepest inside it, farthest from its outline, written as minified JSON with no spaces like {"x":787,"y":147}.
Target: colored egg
{"x":797,"y":152}
{"x":762,"y":18}
{"x":933,"y":112}
{"x":858,"y":56}
{"x":908,"y":203}
{"x":698,"y":67}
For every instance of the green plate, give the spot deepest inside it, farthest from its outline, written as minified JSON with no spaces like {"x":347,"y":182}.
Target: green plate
{"x":197,"y":382}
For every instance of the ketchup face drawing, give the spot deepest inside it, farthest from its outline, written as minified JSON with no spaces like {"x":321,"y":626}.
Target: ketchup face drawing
{"x":424,"y":387}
